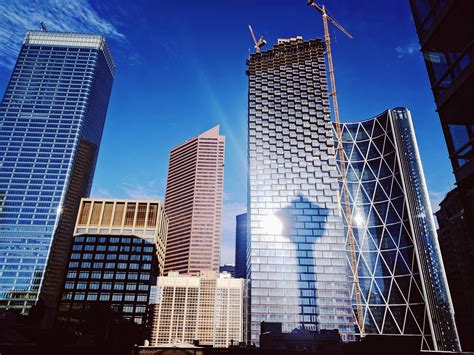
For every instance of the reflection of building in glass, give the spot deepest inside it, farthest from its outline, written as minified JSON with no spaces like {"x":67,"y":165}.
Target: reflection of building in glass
{"x":207,"y":308}
{"x":453,"y":234}
{"x":446,"y":32}
{"x":52,"y":118}
{"x":297,"y":266}
{"x":194,"y":193}
{"x":117,"y":254}
{"x":241,"y":246}
{"x":401,"y":274}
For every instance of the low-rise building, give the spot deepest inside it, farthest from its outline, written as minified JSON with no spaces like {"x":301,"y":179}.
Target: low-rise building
{"x":206,"y":309}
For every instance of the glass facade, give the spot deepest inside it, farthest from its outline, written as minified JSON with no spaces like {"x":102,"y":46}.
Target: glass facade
{"x":401,"y":275}
{"x":117,"y":271}
{"x":52,"y":116}
{"x":241,"y":246}
{"x":297,"y":268}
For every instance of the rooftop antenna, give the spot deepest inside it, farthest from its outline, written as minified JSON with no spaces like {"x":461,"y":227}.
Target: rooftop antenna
{"x":257,"y":44}
{"x":351,"y":239}
{"x":42,"y":27}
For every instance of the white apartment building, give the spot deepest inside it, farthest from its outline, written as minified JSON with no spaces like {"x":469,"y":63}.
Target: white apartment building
{"x":208,"y":308}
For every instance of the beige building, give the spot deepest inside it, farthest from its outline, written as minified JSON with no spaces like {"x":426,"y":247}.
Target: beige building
{"x":193,"y":204}
{"x":144,"y":219}
{"x":208,"y":308}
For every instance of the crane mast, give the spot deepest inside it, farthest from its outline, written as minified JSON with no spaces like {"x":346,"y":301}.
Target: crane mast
{"x":340,"y":150}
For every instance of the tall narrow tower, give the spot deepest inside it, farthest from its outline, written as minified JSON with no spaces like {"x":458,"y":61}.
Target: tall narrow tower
{"x":52,"y":116}
{"x":193,"y":203}
{"x":297,"y":265}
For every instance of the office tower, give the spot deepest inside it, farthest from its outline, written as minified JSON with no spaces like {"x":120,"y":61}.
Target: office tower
{"x":400,"y":270}
{"x":241,"y":246}
{"x":207,"y":308}
{"x":193,"y":204}
{"x":116,"y":256}
{"x":297,"y":268}
{"x":52,"y":115}
{"x":452,"y":233}
{"x":445,"y":30}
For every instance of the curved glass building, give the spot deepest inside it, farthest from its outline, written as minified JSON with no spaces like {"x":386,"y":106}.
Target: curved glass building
{"x":400,"y":270}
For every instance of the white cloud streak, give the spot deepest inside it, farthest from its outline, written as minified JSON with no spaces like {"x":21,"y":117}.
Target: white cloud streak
{"x":146,"y":191}
{"x":19,"y":16}
{"x":408,"y":50}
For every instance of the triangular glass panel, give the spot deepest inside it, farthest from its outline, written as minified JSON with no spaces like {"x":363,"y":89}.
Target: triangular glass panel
{"x":375,"y":295}
{"x":378,"y":130}
{"x":392,"y":215}
{"x":346,"y":136}
{"x":405,"y":239}
{"x":367,"y":174}
{"x":378,"y":313}
{"x":375,"y":218}
{"x":401,"y":268}
{"x":361,"y":134}
{"x":390,"y":159}
{"x":384,"y":170}
{"x":369,"y":188}
{"x":403,"y":283}
{"x":380,"y":194}
{"x":415,"y":294}
{"x":356,"y":154}
{"x":418,"y":312}
{"x":366,"y":265}
{"x":386,"y":184}
{"x":364,"y":147}
{"x":390,"y":257}
{"x":398,"y":204}
{"x":351,"y":175}
{"x":381,"y":208}
{"x":396,"y":189}
{"x":373,"y":152}
{"x":374,"y":165}
{"x":396,"y":295}
{"x":368,"y":126}
{"x":390,"y":327}
{"x":387,"y":242}
{"x":394,"y":230}
{"x":364,"y":284}
{"x":398,"y":313}
{"x":411,"y":327}
{"x":408,"y":256}
{"x":382,"y":268}
{"x":383,"y":284}
{"x":388,"y":148}
{"x":369,"y":244}
{"x":369,"y":324}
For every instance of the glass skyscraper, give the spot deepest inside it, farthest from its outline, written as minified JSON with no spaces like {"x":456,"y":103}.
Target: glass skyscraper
{"x":401,"y":274}
{"x":52,"y":117}
{"x":241,"y":245}
{"x":297,"y":269}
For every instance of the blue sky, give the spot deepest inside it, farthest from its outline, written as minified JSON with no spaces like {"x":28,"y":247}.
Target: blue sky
{"x":181,"y":70}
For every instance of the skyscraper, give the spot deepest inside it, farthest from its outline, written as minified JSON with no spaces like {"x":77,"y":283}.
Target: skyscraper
{"x":241,"y":246}
{"x":117,"y":254}
{"x":298,"y":267}
{"x":401,"y":275}
{"x":52,"y":115}
{"x":445,"y":30}
{"x":193,"y":203}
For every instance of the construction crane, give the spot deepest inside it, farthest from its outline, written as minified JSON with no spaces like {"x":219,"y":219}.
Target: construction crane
{"x":257,"y":44}
{"x":340,"y":150}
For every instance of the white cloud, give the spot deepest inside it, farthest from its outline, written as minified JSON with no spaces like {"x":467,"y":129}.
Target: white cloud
{"x":19,"y":16}
{"x":435,"y":198}
{"x":229,"y":212}
{"x":410,"y":49}
{"x":146,"y":191}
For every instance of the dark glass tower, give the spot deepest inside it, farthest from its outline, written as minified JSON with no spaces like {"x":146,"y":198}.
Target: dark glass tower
{"x":446,"y":31}
{"x":241,"y":246}
{"x":52,"y":116}
{"x":401,"y":274}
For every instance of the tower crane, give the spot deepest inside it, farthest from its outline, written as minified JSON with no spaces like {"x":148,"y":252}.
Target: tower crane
{"x":340,"y":149}
{"x":257,"y":44}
